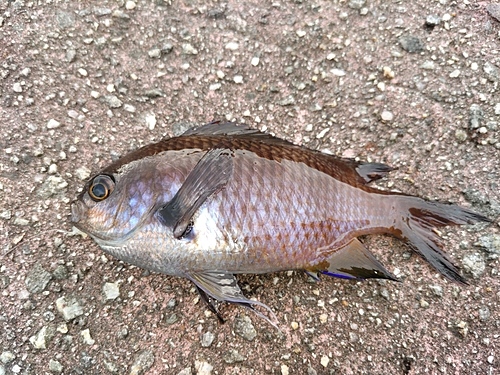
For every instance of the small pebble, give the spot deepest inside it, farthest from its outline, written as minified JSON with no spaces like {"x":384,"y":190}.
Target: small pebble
{"x":83,"y":173}
{"x":69,"y":308}
{"x":87,"y":339}
{"x":150,"y":120}
{"x":243,"y":327}
{"x":474,"y":264}
{"x":387,"y":116}
{"x":82,"y":72}
{"x":295,"y":325}
{"x":215,"y":86}
{"x":207,"y":339}
{"x":130,"y":5}
{"x":17,"y":87}
{"x":388,"y":72}
{"x":432,"y":20}
{"x":203,"y":368}
{"x":188,"y":49}
{"x":142,"y":362}
{"x":129,"y":108}
{"x":55,"y":366}
{"x":154,"y":53}
{"x":37,"y":279}
{"x":424,"y":304}
{"x":411,"y":44}
{"x":338,"y":72}
{"x":111,"y":100}
{"x":232,"y":46}
{"x":476,"y":115}
{"x":233,"y":356}
{"x":324,"y":361}
{"x":111,"y":291}
{"x":284,"y":370}
{"x":356,"y":4}
{"x":238,"y":79}
{"x":455,"y":73}
{"x":484,"y":313}
{"x":7,"y":357}
{"x":53,"y":124}
{"x":255,"y":61}
{"x":428,"y":65}
{"x":52,"y":169}
{"x":42,"y":338}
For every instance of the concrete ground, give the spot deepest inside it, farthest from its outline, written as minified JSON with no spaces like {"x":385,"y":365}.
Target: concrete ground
{"x":414,"y":84}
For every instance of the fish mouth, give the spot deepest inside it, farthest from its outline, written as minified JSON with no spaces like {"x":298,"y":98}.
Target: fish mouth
{"x":78,"y":210}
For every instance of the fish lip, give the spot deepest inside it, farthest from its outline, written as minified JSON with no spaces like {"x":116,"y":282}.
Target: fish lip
{"x":77,"y":210}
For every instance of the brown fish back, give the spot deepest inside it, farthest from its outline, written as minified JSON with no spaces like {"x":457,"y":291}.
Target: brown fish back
{"x":240,"y":137}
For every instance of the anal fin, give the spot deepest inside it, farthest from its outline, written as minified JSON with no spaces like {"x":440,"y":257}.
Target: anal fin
{"x":354,"y":261}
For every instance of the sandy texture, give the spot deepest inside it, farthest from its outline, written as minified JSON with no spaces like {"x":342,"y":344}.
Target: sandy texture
{"x":410,"y":83}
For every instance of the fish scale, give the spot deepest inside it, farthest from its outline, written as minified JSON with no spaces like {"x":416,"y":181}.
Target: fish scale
{"x":225,"y":199}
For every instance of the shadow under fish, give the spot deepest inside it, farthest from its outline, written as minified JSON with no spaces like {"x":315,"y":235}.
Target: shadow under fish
{"x":224,"y":199}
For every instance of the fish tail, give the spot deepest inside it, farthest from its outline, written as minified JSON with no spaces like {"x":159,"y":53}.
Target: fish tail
{"x":417,"y":227}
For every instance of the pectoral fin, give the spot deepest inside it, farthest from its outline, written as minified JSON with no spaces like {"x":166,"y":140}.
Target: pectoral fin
{"x":224,"y":287}
{"x":210,"y":174}
{"x":353,"y":261}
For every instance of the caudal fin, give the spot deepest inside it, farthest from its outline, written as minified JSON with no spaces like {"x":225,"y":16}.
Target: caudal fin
{"x":416,"y":227}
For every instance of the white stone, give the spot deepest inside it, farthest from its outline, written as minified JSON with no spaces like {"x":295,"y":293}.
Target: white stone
{"x":87,"y":339}
{"x":238,"y":79}
{"x":214,"y":86}
{"x":129,"y":108}
{"x":255,"y":61}
{"x":324,"y":361}
{"x":338,"y":72}
{"x":111,"y":291}
{"x":387,"y":116}
{"x":52,"y":124}
{"x":83,"y":173}
{"x":150,"y":119}
{"x":17,"y":87}
{"x":233,"y":46}
{"x":203,"y":368}
{"x":130,"y":5}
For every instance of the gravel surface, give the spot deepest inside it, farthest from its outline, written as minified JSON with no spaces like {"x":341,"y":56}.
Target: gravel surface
{"x":414,"y":84}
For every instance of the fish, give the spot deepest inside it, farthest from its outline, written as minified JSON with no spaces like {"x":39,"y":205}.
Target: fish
{"x":225,"y":199}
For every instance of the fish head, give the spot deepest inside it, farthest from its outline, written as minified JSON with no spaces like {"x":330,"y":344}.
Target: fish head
{"x":113,"y":205}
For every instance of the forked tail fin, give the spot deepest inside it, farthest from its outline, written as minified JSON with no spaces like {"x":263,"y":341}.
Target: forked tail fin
{"x":416,"y":227}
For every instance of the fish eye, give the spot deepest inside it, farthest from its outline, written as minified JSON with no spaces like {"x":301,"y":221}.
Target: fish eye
{"x":101,"y":187}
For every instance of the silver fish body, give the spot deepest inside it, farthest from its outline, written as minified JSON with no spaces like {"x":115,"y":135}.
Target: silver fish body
{"x":260,"y":205}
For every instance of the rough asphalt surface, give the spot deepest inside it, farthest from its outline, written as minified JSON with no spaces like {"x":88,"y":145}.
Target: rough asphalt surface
{"x":414,"y":84}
